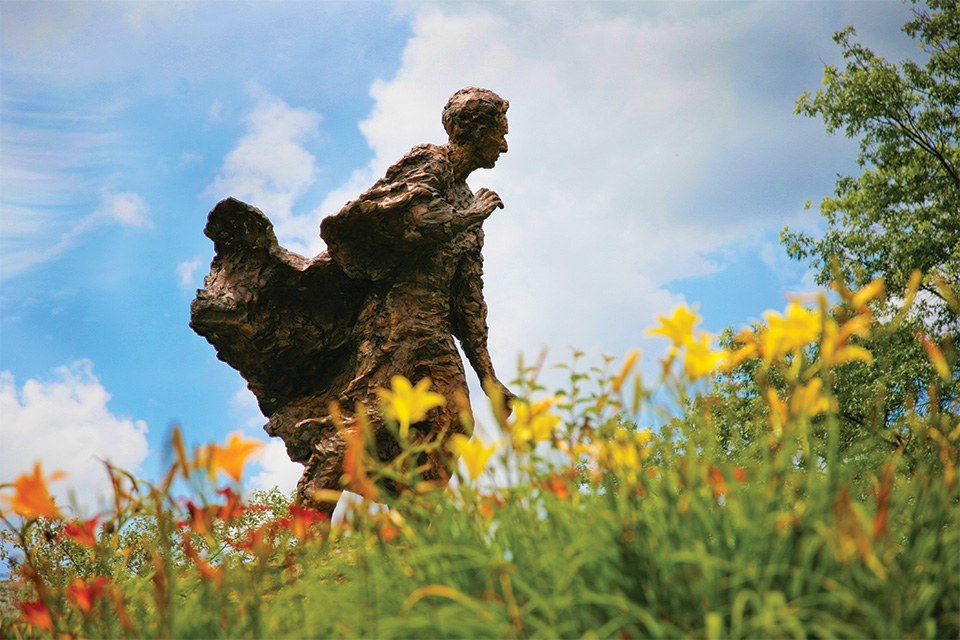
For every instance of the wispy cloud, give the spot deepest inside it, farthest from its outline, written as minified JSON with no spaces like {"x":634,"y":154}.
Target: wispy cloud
{"x":27,"y":242}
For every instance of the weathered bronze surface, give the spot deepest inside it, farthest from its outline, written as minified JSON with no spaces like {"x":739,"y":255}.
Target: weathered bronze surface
{"x":401,"y":276}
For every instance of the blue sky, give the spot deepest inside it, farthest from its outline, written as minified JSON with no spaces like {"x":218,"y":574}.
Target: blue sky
{"x":654,"y":158}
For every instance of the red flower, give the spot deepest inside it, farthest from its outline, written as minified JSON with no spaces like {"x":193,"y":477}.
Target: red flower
{"x":300,"y":521}
{"x":199,"y":519}
{"x":232,"y":508}
{"x":37,"y":614}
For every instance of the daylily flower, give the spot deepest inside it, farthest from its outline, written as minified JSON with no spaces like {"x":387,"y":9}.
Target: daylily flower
{"x":85,"y":593}
{"x":300,"y":521}
{"x":354,"y":473}
{"x":557,"y":485}
{"x":472,"y":452}
{"x":808,"y":399}
{"x":83,"y":532}
{"x":835,"y":347}
{"x":207,"y":571}
{"x":407,"y":404}
{"x":788,"y":333}
{"x":935,"y":355}
{"x":625,"y":370}
{"x":32,"y":499}
{"x":701,"y":359}
{"x":872,"y":290}
{"x":230,"y":459}
{"x":533,"y":423}
{"x":678,"y":327}
{"x":37,"y":614}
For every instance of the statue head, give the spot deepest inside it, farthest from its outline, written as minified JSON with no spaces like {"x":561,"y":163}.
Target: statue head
{"x":476,"y":119}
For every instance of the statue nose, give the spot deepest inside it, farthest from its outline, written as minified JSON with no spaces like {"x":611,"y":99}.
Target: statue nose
{"x":503,"y":146}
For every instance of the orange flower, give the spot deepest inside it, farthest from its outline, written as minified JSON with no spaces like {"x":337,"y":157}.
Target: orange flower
{"x":231,"y":458}
{"x":32,"y":498}
{"x":625,"y":370}
{"x":83,"y":532}
{"x":200,"y":520}
{"x":207,"y":571}
{"x":935,"y":355}
{"x":717,"y":482}
{"x":557,"y":486}
{"x":354,"y":472}
{"x":388,"y":532}
{"x":37,"y":614}
{"x":85,"y":593}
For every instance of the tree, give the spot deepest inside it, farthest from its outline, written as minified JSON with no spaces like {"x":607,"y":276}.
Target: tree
{"x":903,"y":212}
{"x":901,"y":215}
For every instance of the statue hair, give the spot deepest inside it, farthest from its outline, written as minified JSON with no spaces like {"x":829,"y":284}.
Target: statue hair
{"x":470,"y":111}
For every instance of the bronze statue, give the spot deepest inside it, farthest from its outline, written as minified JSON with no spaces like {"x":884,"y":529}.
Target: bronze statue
{"x":401,"y":276}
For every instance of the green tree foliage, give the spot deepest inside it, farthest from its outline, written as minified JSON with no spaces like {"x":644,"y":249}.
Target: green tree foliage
{"x":903,"y":212}
{"x":899,"y":217}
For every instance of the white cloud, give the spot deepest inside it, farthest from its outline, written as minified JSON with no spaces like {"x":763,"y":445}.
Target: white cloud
{"x":246,"y":403}
{"x":65,"y":423}
{"x":610,"y":124}
{"x":188,"y":273}
{"x":127,"y":208}
{"x":269,"y":166}
{"x":276,"y":469}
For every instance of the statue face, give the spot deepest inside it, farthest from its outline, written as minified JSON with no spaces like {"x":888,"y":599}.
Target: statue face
{"x":489,"y":148}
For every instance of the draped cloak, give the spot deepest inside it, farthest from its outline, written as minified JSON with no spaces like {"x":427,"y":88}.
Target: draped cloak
{"x":401,"y":276}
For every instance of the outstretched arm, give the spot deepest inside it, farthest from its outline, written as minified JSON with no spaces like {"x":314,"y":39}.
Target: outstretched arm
{"x":469,"y":312}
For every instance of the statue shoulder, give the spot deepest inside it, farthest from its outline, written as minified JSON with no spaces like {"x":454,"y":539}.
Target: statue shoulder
{"x":423,"y":162}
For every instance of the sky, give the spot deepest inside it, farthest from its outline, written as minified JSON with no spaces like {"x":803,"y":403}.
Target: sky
{"x":654,"y":158}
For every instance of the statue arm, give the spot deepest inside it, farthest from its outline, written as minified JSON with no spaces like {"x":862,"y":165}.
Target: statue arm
{"x":469,"y":311}
{"x":424,"y":216}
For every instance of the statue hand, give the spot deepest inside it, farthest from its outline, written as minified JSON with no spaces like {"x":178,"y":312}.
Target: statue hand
{"x":484,"y":203}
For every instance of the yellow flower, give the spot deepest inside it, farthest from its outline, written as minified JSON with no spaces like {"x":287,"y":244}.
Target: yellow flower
{"x":860,"y":299}
{"x":808,"y":399}
{"x":408,"y":404}
{"x":230,"y":459}
{"x":835,"y":348}
{"x":701,"y":360}
{"x":679,"y":327}
{"x":785,"y":334}
{"x":778,"y":411}
{"x":624,"y":454}
{"x":533,"y":424}
{"x":32,"y":499}
{"x":935,"y":355}
{"x":472,"y":452}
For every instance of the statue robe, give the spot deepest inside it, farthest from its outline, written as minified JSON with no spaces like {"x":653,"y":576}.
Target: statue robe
{"x":401,"y":276}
